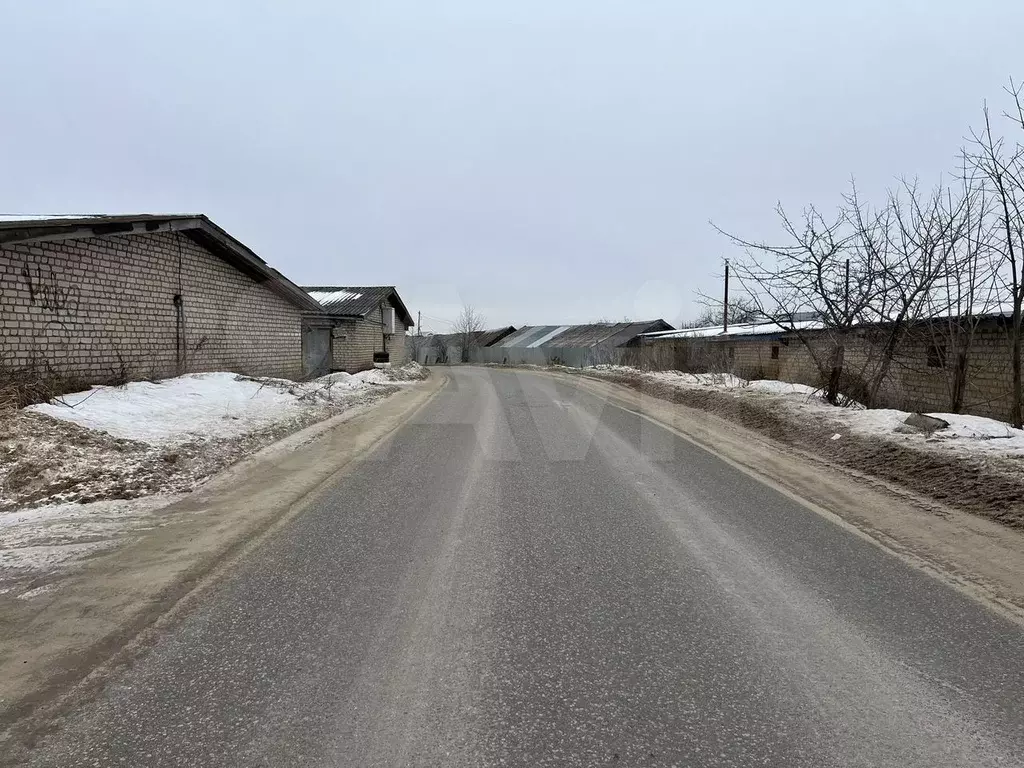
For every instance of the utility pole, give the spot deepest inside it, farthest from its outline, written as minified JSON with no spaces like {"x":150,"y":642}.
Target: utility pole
{"x":725,"y":300}
{"x":846,"y":296}
{"x":419,"y":322}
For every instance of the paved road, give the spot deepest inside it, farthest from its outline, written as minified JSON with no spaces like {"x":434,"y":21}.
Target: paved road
{"x":528,"y":576}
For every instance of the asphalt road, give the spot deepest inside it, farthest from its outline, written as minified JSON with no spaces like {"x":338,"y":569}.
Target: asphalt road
{"x":526,"y":575}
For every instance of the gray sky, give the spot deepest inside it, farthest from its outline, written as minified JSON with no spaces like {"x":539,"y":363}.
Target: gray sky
{"x":548,"y":162}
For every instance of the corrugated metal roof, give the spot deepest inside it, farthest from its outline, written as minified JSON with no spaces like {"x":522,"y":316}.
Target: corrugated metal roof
{"x":349,"y":301}
{"x":487,"y":338}
{"x":332,"y":297}
{"x":585,"y":335}
{"x":769,"y":328}
{"x":589,"y":335}
{"x":477,"y":338}
{"x":605,"y":334}
{"x":548,"y":336}
{"x":525,"y":335}
{"x":740,"y":329}
{"x":632,"y":330}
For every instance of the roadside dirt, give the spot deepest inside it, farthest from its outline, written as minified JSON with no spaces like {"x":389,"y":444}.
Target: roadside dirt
{"x":46,"y":461}
{"x":71,"y":639}
{"x":977,"y":553}
{"x":983,"y":485}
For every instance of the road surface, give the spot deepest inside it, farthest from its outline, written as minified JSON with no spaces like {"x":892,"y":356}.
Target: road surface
{"x":526,"y":575}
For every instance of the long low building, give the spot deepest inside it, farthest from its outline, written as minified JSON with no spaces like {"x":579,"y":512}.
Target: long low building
{"x":940,"y":364}
{"x":444,"y":348}
{"x":573,"y":345}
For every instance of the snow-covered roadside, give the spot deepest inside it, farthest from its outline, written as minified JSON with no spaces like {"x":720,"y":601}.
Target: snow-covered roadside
{"x":207,"y":405}
{"x":965,"y":435}
{"x":80,"y":475}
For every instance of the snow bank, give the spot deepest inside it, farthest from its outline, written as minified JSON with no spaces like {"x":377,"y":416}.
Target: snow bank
{"x":210,"y":405}
{"x":976,"y":428}
{"x":409,"y":373}
{"x":128,"y":451}
{"x":373,"y":376}
{"x":772,"y":387}
{"x":964,"y":435}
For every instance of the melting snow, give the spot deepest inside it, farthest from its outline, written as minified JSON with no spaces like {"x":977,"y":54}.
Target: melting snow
{"x":965,"y":434}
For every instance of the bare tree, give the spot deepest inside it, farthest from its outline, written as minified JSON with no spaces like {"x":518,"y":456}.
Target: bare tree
{"x":965,"y":292}
{"x":824,"y":271}
{"x":741,"y":310}
{"x":416,"y":344}
{"x":914,"y":243}
{"x":439,"y":343}
{"x":1001,"y":164}
{"x":467,"y":325}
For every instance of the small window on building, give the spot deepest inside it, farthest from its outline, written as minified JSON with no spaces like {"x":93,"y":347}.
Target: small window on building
{"x":732,"y":352}
{"x":775,"y":352}
{"x":937,"y":356}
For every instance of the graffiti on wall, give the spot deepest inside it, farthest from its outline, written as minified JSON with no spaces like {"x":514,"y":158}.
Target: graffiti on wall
{"x":59,"y":301}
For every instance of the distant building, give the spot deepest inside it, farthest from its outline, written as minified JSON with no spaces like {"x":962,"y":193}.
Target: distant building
{"x":444,"y":348}
{"x":573,"y":345}
{"x":357,"y":327}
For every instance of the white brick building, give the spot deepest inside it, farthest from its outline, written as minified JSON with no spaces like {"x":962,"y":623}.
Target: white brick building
{"x":114,"y":298}
{"x":360,"y":325}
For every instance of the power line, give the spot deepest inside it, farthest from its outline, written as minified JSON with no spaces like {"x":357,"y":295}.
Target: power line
{"x":439,"y":320}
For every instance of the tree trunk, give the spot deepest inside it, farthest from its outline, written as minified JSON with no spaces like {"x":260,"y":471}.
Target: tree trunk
{"x":959,"y":382}
{"x":1016,"y":416}
{"x":836,"y":375}
{"x":888,"y":353}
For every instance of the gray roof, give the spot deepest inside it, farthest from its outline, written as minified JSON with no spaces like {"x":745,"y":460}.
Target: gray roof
{"x":526,"y":335}
{"x":197,"y":227}
{"x":358,"y":301}
{"x":477,"y":338}
{"x":580,"y":336}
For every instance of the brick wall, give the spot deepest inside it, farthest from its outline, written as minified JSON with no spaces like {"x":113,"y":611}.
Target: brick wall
{"x":103,"y":308}
{"x":356,"y":340}
{"x":913,"y":384}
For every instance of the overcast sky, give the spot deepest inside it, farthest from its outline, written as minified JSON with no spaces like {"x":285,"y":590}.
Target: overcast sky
{"x":548,"y":162}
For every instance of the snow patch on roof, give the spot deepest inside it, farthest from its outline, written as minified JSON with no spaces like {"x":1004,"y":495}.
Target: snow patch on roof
{"x":330,"y":297}
{"x":47,"y":216}
{"x":740,"y":329}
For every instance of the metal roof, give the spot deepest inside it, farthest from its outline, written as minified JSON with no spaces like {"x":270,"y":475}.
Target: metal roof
{"x":349,"y":301}
{"x":739,"y":329}
{"x":633,"y":330}
{"x":477,"y":338}
{"x":589,"y":335}
{"x":525,"y":335}
{"x":197,"y":227}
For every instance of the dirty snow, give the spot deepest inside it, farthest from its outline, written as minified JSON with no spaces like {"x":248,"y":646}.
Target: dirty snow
{"x":964,"y":435}
{"x":80,"y":475}
{"x":207,"y":405}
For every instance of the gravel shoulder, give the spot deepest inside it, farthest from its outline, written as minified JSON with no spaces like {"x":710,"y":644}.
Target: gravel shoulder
{"x":958,"y":521}
{"x":108,"y":606}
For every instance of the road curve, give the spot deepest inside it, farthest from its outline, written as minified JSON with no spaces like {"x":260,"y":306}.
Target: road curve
{"x":527,"y":575}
